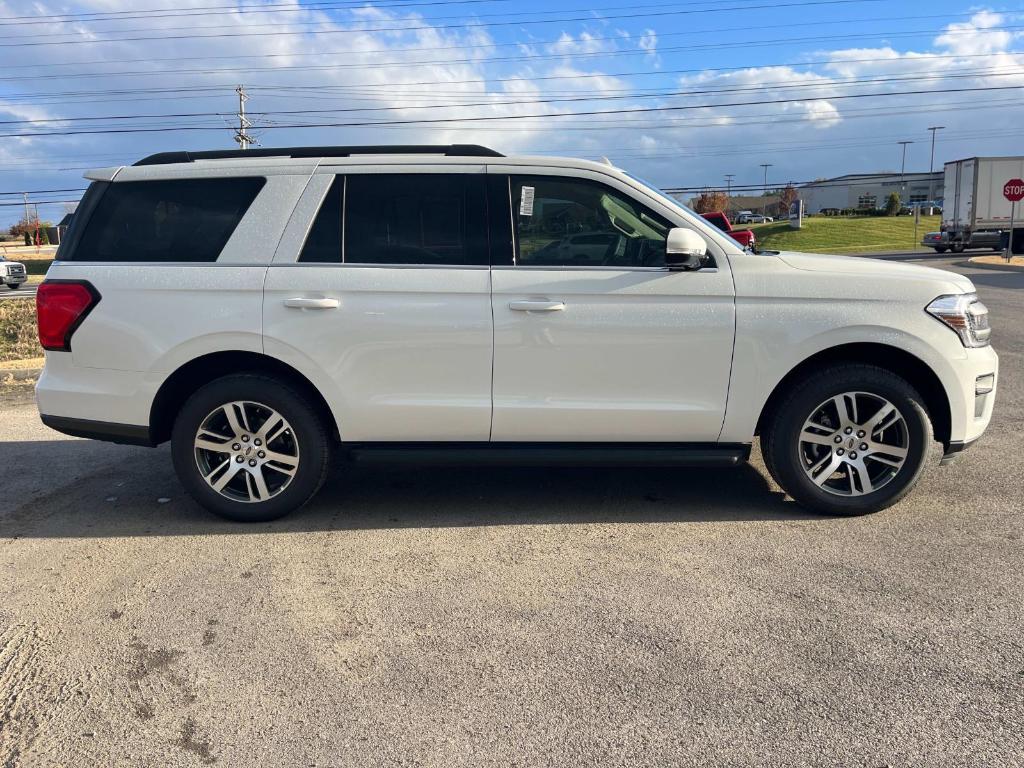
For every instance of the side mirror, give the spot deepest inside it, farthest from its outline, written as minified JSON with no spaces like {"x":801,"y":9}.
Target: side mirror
{"x":684,"y":249}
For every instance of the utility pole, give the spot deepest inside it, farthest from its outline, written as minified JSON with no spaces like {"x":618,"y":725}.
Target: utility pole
{"x":25,"y":195}
{"x":764,"y":205}
{"x":243,"y":138}
{"x":933,"y":129}
{"x":728,"y":183}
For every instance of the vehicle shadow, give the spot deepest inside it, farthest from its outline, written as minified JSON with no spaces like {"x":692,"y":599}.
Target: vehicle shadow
{"x":996,"y":279}
{"x":136,"y":494}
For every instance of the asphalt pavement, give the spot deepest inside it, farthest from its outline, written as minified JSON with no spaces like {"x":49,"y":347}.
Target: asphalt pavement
{"x":25,"y":291}
{"x":478,"y":617}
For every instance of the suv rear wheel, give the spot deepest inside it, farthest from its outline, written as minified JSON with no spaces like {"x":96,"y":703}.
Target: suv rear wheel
{"x":848,"y":440}
{"x":250,"y":448}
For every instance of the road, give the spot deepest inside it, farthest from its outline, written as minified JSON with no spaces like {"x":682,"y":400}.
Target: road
{"x":469,"y":617}
{"x":26,"y":291}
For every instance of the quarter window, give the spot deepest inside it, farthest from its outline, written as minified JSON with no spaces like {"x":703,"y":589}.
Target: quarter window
{"x":577,"y":222}
{"x":160,"y":221}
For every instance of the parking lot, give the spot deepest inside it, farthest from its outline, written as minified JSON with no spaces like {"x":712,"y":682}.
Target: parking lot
{"x":473,"y":617}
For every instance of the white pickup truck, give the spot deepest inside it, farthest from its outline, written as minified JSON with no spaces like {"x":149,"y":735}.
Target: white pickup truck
{"x":12,"y":273}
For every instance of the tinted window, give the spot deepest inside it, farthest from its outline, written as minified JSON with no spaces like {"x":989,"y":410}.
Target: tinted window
{"x":180,"y":220}
{"x":577,"y":222}
{"x":324,"y":241}
{"x":415,"y":219}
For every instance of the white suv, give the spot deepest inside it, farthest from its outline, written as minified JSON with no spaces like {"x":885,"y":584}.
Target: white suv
{"x":265,"y":309}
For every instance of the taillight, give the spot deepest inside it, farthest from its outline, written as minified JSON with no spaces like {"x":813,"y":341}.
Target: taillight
{"x":61,"y":306}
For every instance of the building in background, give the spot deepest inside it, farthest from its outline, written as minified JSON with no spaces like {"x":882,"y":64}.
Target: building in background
{"x":737,"y":203}
{"x":869,"y":191}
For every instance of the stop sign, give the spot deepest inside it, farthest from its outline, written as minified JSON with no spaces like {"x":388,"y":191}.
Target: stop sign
{"x":1014,"y":190}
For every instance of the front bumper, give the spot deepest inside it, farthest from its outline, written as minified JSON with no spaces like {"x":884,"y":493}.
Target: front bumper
{"x":973,"y":397}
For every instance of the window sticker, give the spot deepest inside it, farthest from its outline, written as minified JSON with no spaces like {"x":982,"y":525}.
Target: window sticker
{"x":526,"y":202}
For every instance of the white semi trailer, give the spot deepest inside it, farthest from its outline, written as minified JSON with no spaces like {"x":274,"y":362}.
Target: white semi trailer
{"x":975,"y":213}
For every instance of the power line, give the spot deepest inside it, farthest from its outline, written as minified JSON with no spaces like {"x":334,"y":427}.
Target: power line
{"x":492,"y":118}
{"x":778,"y":85}
{"x":290,"y":89}
{"x":217,"y":10}
{"x":436,"y":27}
{"x":378,"y":65}
{"x":488,"y":45}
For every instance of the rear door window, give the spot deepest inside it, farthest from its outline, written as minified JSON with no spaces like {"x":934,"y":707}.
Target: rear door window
{"x":180,"y":220}
{"x":415,"y":219}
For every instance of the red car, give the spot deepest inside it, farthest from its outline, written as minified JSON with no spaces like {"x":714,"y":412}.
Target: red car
{"x":742,"y":236}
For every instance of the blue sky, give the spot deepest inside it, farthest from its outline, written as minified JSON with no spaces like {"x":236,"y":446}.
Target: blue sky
{"x":667,"y":88}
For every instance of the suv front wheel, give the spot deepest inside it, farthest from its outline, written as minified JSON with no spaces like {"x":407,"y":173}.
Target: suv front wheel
{"x":848,"y":440}
{"x":250,"y":448}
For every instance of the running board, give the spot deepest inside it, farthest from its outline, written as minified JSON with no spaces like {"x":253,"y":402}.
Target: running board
{"x":551,"y":454}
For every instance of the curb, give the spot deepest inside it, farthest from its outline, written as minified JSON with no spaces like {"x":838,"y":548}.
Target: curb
{"x":19,"y":374}
{"x":996,"y":267}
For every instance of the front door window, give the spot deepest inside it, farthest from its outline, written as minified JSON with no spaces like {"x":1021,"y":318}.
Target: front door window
{"x":568,"y":222}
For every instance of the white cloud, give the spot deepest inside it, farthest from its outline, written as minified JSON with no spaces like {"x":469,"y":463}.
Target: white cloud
{"x":979,"y":35}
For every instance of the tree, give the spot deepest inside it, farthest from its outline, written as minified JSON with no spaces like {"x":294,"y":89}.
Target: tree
{"x":710,"y":201}
{"x":787,"y":197}
{"x":29,"y":225}
{"x":892,"y":204}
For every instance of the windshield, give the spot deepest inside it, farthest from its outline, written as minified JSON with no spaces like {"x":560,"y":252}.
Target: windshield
{"x":663,"y":196}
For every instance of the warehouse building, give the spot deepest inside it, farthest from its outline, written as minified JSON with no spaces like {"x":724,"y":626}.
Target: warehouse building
{"x":867,"y":191}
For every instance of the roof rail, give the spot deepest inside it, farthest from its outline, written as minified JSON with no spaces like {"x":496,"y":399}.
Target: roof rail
{"x":448,"y":150}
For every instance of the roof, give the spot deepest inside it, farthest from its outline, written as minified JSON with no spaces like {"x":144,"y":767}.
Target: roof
{"x":879,"y":175}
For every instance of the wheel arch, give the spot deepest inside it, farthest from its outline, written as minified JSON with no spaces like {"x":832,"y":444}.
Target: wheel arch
{"x":917,"y":373}
{"x":199,"y":371}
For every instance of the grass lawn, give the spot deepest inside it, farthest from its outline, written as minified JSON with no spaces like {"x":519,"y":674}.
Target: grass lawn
{"x":839,"y":234}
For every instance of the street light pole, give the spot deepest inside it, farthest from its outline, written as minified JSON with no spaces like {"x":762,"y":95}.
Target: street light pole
{"x":764,"y":205}
{"x":933,"y":129}
{"x":903,"y":164}
{"x":931,"y":164}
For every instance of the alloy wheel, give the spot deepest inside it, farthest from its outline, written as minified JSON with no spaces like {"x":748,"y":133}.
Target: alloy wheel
{"x":246,"y":451}
{"x":854,"y":443}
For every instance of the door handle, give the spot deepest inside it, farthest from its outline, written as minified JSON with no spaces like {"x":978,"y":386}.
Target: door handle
{"x":302,"y":303}
{"x":543,"y":305}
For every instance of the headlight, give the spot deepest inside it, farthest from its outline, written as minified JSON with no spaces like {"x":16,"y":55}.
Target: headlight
{"x":964,"y":314}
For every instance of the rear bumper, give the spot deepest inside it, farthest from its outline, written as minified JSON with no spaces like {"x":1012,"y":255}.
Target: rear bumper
{"x":125,"y":434}
{"x":94,"y":403}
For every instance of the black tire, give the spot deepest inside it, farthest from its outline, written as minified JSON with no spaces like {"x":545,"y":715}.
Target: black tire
{"x":780,"y":443}
{"x":940,"y":250}
{"x":14,"y":286}
{"x":308,"y":430}
{"x":957,"y":247}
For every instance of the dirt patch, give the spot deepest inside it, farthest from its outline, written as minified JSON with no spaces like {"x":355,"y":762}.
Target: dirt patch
{"x":191,"y":740}
{"x":149,"y":660}
{"x":996,"y":260}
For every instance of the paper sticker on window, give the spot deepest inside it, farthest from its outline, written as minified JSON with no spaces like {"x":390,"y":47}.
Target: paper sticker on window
{"x":526,"y":202}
